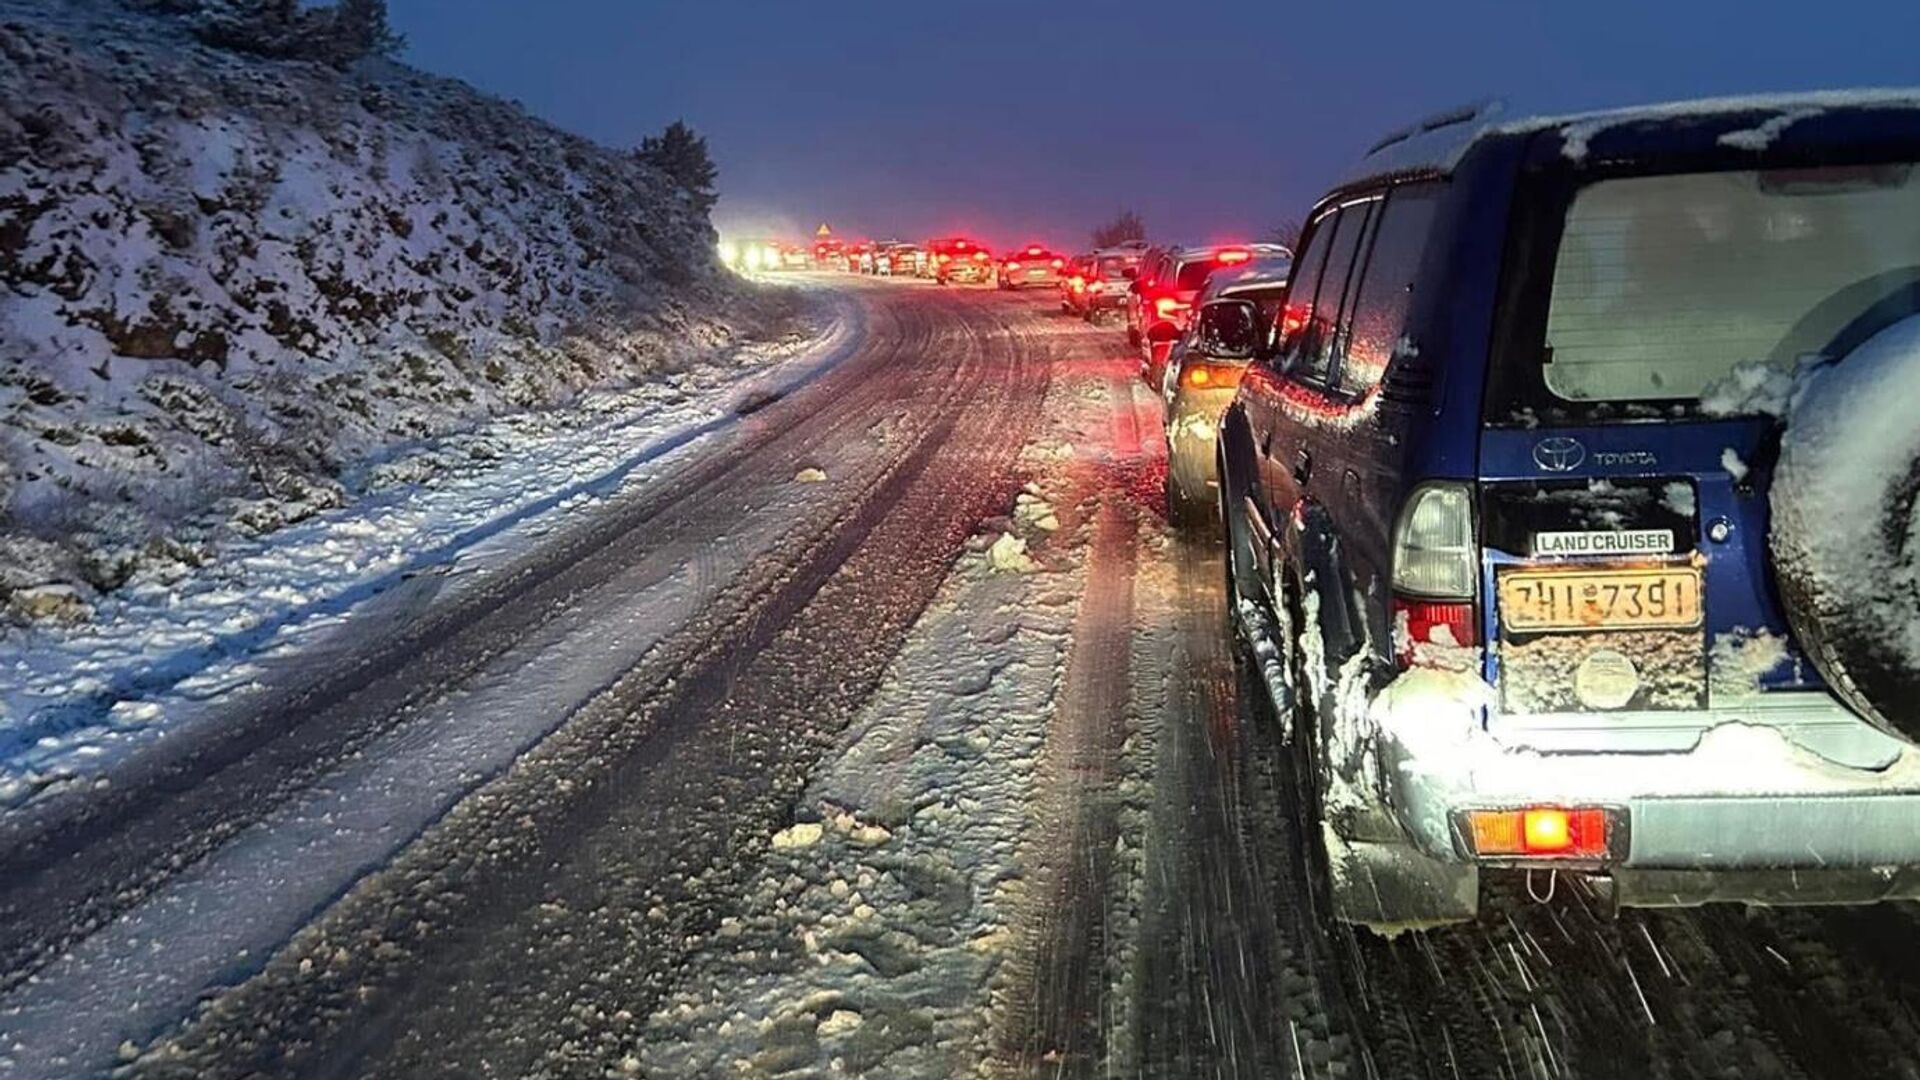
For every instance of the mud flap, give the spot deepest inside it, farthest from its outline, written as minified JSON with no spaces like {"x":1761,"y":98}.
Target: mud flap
{"x":1391,"y":888}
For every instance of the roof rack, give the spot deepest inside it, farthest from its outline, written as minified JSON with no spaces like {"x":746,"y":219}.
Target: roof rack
{"x":1457,"y":115}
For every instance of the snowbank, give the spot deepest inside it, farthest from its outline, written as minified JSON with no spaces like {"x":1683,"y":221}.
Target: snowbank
{"x":226,"y":282}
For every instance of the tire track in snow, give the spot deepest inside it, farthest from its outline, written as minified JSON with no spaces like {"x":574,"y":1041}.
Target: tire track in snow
{"x":668,"y":798}
{"x":1055,"y":1016}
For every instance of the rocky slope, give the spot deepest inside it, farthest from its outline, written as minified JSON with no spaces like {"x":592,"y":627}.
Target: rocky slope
{"x":228,"y":282}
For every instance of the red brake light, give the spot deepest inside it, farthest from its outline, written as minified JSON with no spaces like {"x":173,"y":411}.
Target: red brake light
{"x":980,"y":256}
{"x":1167,"y":306}
{"x":1058,"y":263}
{"x":1233,"y":255}
{"x":1013,"y":266}
{"x":1293,"y":320}
{"x":1440,"y":623}
{"x":1036,"y":251}
{"x":1077,"y":283}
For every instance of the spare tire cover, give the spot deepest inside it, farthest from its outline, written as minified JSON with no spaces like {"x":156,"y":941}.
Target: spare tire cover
{"x":1844,"y":536}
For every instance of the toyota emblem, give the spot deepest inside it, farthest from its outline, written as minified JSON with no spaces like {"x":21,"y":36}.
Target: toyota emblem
{"x":1559,"y":454}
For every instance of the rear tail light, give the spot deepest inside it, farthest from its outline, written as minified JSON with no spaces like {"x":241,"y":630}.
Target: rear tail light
{"x":1540,"y":832}
{"x":1439,"y":623}
{"x":943,"y":258}
{"x":1168,"y":307}
{"x":1293,"y":319}
{"x":1059,"y":263}
{"x":980,"y":256}
{"x":1013,"y":266}
{"x":1077,"y":283}
{"x":1435,"y":571}
{"x":1205,"y":376}
{"x":1433,"y":550}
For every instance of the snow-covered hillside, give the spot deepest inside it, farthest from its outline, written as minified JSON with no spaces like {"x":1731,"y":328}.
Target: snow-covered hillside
{"x":228,"y":281}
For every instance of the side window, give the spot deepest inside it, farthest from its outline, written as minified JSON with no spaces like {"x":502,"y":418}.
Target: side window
{"x":1291,"y":331}
{"x":1333,"y":307}
{"x":1320,"y":315}
{"x":1385,"y":287}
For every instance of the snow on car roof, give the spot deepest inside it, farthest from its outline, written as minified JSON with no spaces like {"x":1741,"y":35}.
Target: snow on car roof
{"x":1436,"y":143}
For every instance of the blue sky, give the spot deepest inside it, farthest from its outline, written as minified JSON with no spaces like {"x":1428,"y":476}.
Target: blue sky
{"x":1023,"y":120}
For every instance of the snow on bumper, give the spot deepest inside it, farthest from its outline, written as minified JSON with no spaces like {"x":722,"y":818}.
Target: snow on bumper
{"x":1744,"y":798}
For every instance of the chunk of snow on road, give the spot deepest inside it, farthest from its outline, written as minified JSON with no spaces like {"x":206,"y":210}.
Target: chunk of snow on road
{"x":1008,"y":554}
{"x":1034,"y":511}
{"x":810,"y":475}
{"x":799,"y":835}
{"x":839,"y":1022}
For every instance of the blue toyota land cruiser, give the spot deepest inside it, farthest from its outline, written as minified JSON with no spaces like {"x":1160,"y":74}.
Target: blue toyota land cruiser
{"x":1502,"y":502}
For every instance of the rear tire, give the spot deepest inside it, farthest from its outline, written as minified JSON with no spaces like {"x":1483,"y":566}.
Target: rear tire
{"x":1845,"y":534}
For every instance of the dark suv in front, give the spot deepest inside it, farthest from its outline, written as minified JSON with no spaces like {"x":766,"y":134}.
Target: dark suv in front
{"x":1567,"y":510}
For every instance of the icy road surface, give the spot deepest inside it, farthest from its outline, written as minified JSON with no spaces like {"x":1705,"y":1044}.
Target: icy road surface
{"x":874,"y":726}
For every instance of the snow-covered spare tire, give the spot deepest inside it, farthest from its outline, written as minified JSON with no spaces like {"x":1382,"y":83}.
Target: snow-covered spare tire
{"x":1846,"y":542}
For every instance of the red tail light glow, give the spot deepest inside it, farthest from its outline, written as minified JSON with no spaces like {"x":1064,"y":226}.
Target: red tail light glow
{"x":1013,"y":266}
{"x":1232,"y":256}
{"x":1058,"y":263}
{"x":1439,"y":623}
{"x":1036,"y":250}
{"x":980,"y":256}
{"x":1077,"y":283}
{"x":1168,"y":307}
{"x":1293,"y":320}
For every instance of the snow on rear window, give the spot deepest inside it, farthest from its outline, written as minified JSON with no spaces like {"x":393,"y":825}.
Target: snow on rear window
{"x":1665,"y":285}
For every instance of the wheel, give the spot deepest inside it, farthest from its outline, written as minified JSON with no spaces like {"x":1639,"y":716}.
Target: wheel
{"x":1845,"y":536}
{"x":1191,"y":507}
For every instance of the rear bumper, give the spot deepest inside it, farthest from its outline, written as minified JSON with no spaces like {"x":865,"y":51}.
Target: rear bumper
{"x":969,"y":274}
{"x":1743,"y":814}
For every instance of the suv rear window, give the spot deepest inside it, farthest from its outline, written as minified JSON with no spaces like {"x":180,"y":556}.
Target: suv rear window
{"x":1662,"y":286}
{"x":1193,"y":275}
{"x":1114,"y":266}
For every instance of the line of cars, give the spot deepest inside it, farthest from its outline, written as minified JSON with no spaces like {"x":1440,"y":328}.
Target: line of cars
{"x":1567,"y":491}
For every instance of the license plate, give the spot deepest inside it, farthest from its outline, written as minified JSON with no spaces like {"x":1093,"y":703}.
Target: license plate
{"x":1600,"y":600}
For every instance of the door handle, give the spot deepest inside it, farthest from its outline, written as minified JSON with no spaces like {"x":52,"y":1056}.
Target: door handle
{"x":1302,"y":466}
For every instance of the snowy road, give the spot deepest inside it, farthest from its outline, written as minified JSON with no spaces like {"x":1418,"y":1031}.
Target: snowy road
{"x":881,"y":729}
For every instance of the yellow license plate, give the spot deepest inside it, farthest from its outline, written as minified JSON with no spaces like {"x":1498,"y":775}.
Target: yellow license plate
{"x":1665,"y":599}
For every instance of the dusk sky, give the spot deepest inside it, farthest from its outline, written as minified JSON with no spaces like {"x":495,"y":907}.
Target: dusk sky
{"x":1037,"y":120}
